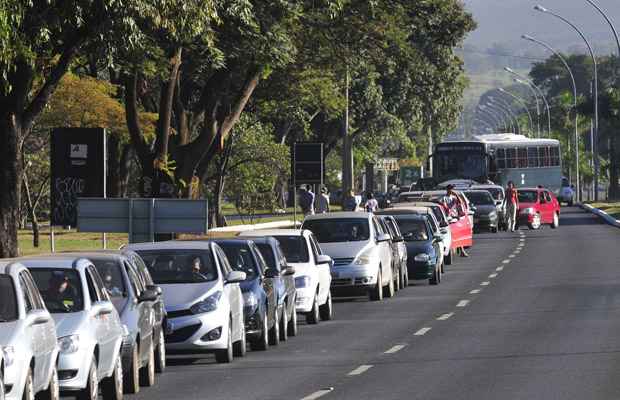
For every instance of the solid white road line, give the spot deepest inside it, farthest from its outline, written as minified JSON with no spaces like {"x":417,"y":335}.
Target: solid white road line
{"x":463,"y":303}
{"x":396,"y":349}
{"x":318,"y":394}
{"x":475,"y":291}
{"x":499,"y":268}
{"x":485,"y":283}
{"x":445,"y":317}
{"x":493,"y":276}
{"x":422,"y":331}
{"x":359,"y":370}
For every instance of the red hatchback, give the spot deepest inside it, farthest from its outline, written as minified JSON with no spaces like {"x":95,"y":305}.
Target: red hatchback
{"x":538,"y":207}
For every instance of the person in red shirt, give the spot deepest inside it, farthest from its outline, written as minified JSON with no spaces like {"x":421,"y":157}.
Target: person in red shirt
{"x":512,"y":205}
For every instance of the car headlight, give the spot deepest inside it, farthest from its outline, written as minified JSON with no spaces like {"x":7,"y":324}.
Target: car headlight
{"x":528,"y":210}
{"x":302,"y":281}
{"x":207,"y":305}
{"x":250,"y":300}
{"x":364,"y":259}
{"x":492,"y":214}
{"x":422,"y":257}
{"x":9,"y":356}
{"x":69,"y":344}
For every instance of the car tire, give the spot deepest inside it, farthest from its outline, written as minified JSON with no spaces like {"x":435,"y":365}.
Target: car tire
{"x":51,"y":393}
{"x":436,"y":278}
{"x":448,"y":258}
{"x":327,"y":310}
{"x":570,"y":203}
{"x":376,"y":294}
{"x":390,"y":289}
{"x":406,"y":277}
{"x":112,"y":387}
{"x":147,"y":372}
{"x":535,"y":225}
{"x":556,"y":221}
{"x":292,"y":323}
{"x":284,"y":324}
{"x":160,"y":353}
{"x":262,"y":343}
{"x":397,"y":280}
{"x":2,"y":388}
{"x":225,"y":356}
{"x":240,"y":347}
{"x":91,"y":391}
{"x":312,"y":317}
{"x":131,"y":382}
{"x":274,"y":332}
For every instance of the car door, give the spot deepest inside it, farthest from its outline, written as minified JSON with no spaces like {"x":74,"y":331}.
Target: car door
{"x":385,"y":251}
{"x":158,"y":306}
{"x":231,"y":292}
{"x":325,"y":276}
{"x":101,"y":322}
{"x":144,"y":310}
{"x":269,"y":285}
{"x":288,"y":280}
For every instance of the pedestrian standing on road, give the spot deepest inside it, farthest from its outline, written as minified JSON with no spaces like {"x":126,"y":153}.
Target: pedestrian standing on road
{"x":371,"y":203}
{"x":322,"y":202}
{"x":512,"y":205}
{"x":349,"y":202}
{"x":306,"y":200}
{"x":452,"y":203}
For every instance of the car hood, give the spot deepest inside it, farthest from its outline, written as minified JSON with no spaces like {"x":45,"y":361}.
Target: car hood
{"x":69,"y":323}
{"x":8,"y":331}
{"x":486,"y":209}
{"x":345,"y":249}
{"x":182,"y":296}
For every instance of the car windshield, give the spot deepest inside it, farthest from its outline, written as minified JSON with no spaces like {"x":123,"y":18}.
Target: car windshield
{"x":339,"y":230}
{"x":497,"y":193}
{"x":112,"y":276}
{"x":295,"y":248}
{"x":61,"y":289}
{"x":480,"y":198}
{"x":527,"y":196}
{"x":8,"y":299}
{"x":180,"y":266}
{"x":267,"y":251}
{"x":413,"y":230}
{"x":240,"y":258}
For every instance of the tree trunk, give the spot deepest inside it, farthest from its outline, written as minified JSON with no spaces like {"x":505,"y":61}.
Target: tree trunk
{"x":31,"y":212}
{"x":614,"y":169}
{"x":125,"y":168}
{"x":114,"y":174}
{"x":10,"y":183}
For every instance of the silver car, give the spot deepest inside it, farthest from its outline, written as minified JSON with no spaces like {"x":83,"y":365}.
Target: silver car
{"x":27,"y":337}
{"x":88,"y":327}
{"x":202,"y":297}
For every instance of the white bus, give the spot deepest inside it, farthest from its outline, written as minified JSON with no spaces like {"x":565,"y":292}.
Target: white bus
{"x":500,"y":158}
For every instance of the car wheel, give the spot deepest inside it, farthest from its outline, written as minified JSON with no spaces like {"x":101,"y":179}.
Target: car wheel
{"x":292,"y":323}
{"x":556,"y":221}
{"x":570,"y":203}
{"x":91,"y":391}
{"x":51,"y":393}
{"x":240,"y":347}
{"x":436,"y":278}
{"x":312,"y":317}
{"x":225,"y":356}
{"x":147,"y":372}
{"x":390,"y":289}
{"x":132,"y":377}
{"x":2,"y":389}
{"x":160,"y":353}
{"x":274,"y":332}
{"x":112,"y":387}
{"x":535,"y":224}
{"x":442,"y":269}
{"x":448,"y":258}
{"x":327,"y":309}
{"x":376,"y":294}
{"x":397,"y":280}
{"x":406,"y":277}
{"x":262,"y":343}
{"x":284,"y":324}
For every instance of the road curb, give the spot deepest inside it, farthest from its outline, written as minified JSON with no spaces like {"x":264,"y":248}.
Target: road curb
{"x":608,"y":219}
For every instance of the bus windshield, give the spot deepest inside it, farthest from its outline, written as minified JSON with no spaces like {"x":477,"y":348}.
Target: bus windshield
{"x":460,"y":164}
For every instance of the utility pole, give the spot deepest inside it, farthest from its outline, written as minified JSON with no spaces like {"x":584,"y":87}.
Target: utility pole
{"x":347,"y":145}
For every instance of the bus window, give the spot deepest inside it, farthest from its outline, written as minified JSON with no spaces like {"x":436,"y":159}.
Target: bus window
{"x":500,"y":158}
{"x":555,"y":156}
{"x":543,"y":156}
{"x":511,"y":158}
{"x":532,"y":157}
{"x":522,"y":157}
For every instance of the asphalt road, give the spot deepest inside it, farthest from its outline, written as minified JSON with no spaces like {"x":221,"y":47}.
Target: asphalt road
{"x":530,"y":315}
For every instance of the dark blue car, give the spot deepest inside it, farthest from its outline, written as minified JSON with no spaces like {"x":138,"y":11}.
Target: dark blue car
{"x":260,"y":300}
{"x":423,"y":248}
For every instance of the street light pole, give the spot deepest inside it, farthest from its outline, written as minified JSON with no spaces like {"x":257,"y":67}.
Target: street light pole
{"x":572,"y":77}
{"x":495,"y":117}
{"x":504,"y":106}
{"x":524,"y":80}
{"x":523,"y":103}
{"x":535,"y":97}
{"x":594,"y":144}
{"x":507,"y":116}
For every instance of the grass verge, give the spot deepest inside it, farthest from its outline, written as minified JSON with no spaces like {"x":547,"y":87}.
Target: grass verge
{"x":612,"y":209}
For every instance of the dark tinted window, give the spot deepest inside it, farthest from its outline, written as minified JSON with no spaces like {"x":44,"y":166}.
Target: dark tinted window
{"x":294,"y":248}
{"x":180,"y":266}
{"x":413,"y":230}
{"x":527,"y":196}
{"x":267,"y":251}
{"x":61,"y":289}
{"x":480,"y":198}
{"x":241,"y":259}
{"x":338,"y":230}
{"x":8,"y":300}
{"x":112,"y":276}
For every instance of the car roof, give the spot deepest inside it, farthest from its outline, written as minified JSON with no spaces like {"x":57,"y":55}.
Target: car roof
{"x":59,"y":260}
{"x":172,"y":245}
{"x":487,"y":186}
{"x":406,"y":210}
{"x":10,"y":267}
{"x":261,"y":239}
{"x":233,"y":240}
{"x":275,"y":232}
{"x":476,"y":191}
{"x":98,"y":254}
{"x":410,"y":215}
{"x":340,"y":215}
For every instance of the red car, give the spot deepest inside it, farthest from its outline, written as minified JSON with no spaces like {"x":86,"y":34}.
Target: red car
{"x":537,"y":207}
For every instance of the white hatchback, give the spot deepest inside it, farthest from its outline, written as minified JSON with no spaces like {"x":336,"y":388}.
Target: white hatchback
{"x":312,"y":275}
{"x":361,"y":252}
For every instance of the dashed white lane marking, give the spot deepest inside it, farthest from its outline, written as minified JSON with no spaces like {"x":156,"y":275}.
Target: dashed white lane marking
{"x":445,"y":317}
{"x":522,"y":240}
{"x":422,"y":331}
{"x":506,"y":262}
{"x":499,"y":268}
{"x":517,"y":252}
{"x":318,"y":394}
{"x":493,"y":276}
{"x":485,"y":283}
{"x":359,"y":370}
{"x":463,"y":303}
{"x":396,"y":349}
{"x":511,"y":256}
{"x":475,"y":291}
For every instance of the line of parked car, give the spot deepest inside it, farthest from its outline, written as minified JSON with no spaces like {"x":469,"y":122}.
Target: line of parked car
{"x":102,"y":322}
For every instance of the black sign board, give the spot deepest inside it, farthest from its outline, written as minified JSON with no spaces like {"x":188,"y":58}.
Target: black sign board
{"x":308,"y":163}
{"x":78,"y":164}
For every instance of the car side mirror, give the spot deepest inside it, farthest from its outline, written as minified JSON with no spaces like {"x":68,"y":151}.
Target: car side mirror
{"x":155,"y":288}
{"x":444,"y":231}
{"x":236,"y":277}
{"x":323,"y":259}
{"x":148,"y":295}
{"x":498,"y":202}
{"x":398,"y":239}
{"x":103,"y":308}
{"x":272,"y":273}
{"x":383,"y":238}
{"x":453,"y":220}
{"x":290,"y":270}
{"x":38,"y":318}
{"x":437,"y":238}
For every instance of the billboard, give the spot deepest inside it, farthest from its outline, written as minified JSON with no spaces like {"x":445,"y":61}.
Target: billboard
{"x":308,"y":163}
{"x":78,"y":169}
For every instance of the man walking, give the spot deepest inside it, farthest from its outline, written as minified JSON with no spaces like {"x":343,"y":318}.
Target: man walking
{"x":306,"y":200}
{"x":512,"y":205}
{"x":322,"y":202}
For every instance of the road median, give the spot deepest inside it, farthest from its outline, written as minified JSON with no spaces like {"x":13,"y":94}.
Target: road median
{"x":608,"y":218}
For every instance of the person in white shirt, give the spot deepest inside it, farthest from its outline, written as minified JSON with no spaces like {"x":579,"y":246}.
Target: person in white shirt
{"x":371,"y":203}
{"x":322,"y":202}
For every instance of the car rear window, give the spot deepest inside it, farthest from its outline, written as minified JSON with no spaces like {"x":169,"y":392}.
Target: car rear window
{"x":61,"y":289}
{"x":267,"y":251}
{"x":527,"y":196}
{"x":8,"y":300}
{"x":413,"y":230}
{"x":294,"y":248}
{"x":180,"y":266}
{"x":240,"y":258}
{"x":111,"y":275}
{"x":339,"y":230}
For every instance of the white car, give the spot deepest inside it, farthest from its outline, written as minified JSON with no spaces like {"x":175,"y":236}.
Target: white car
{"x":361,"y":252}
{"x":89,"y":330}
{"x":203,"y":300}
{"x":312,"y":275}
{"x":27,"y":337}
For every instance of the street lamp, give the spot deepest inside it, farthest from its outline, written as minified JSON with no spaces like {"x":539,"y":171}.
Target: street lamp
{"x":498,"y":121}
{"x":507,"y":108}
{"x":509,"y":70}
{"x":505,"y":115}
{"x":524,"y":80}
{"x":595,"y":141}
{"x":572,"y":77}
{"x":521,"y":101}
{"x":488,"y":125}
